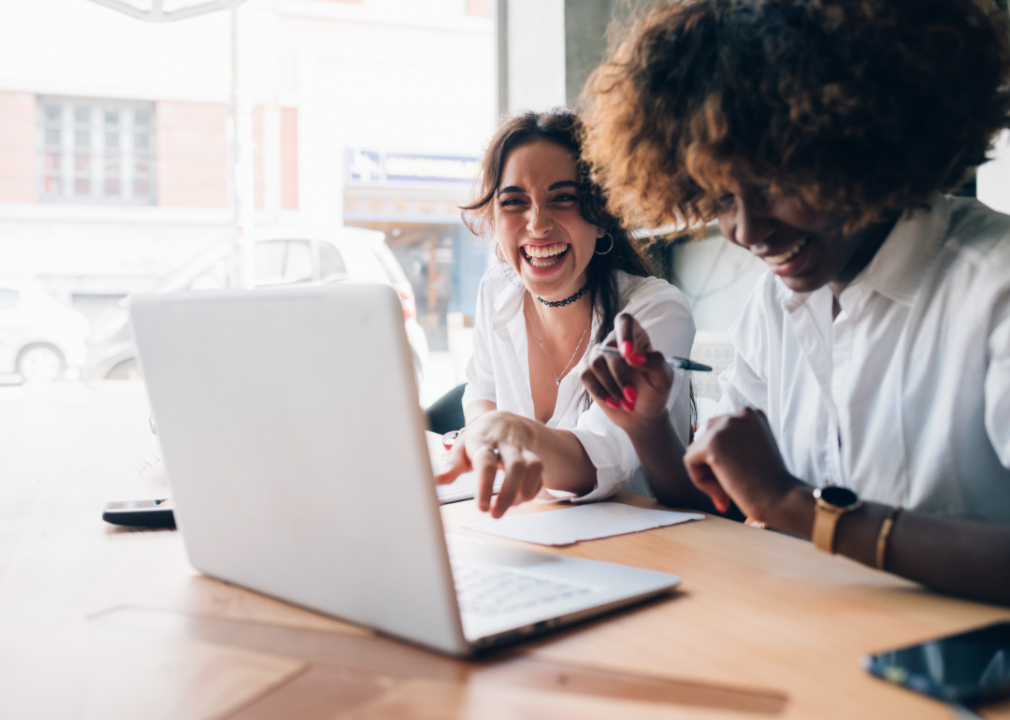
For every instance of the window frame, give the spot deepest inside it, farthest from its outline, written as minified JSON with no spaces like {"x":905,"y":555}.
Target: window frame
{"x":103,"y":164}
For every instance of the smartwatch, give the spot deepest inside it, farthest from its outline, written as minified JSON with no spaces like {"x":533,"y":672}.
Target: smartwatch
{"x":832,"y":503}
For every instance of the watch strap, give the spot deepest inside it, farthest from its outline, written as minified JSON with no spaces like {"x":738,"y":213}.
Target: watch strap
{"x":825,"y":522}
{"x":826,"y":515}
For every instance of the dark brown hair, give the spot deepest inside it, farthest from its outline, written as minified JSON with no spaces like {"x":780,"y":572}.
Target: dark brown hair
{"x":856,"y":108}
{"x":563,"y":128}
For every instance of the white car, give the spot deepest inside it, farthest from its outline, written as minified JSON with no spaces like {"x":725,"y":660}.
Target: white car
{"x":281,"y":256}
{"x":40,"y":338}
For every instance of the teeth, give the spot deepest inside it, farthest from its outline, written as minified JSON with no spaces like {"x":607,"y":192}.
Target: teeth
{"x":544,"y":255}
{"x":786,"y":256}
{"x":542,"y":251}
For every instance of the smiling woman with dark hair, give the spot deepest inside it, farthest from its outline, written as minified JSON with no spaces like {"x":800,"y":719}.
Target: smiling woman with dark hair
{"x":868,"y":404}
{"x":567,"y":268}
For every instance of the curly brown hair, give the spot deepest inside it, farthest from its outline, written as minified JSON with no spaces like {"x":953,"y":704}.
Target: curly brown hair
{"x":856,"y":108}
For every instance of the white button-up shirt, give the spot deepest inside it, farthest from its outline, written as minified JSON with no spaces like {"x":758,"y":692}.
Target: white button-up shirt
{"x":905,"y":396}
{"x":499,"y":369}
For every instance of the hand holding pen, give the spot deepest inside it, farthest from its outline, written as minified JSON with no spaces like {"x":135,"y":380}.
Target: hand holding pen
{"x":630,"y":381}
{"x":677,"y":362}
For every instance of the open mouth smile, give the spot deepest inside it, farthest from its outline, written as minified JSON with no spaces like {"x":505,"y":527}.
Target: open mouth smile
{"x":544,"y":256}
{"x":783,"y":258}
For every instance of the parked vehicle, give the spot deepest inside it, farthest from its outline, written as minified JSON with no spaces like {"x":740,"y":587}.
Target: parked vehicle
{"x":40,"y":338}
{"x":281,"y":256}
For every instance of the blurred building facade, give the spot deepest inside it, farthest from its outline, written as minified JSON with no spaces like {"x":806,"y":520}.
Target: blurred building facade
{"x":115,"y":136}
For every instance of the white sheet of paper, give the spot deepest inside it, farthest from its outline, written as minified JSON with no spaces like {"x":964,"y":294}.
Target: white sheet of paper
{"x":585,"y":522}
{"x":464,"y":487}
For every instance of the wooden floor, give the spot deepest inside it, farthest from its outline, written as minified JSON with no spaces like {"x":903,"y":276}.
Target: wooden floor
{"x":99,"y":622}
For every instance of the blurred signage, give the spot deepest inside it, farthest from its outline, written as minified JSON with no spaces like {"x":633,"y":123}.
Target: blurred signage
{"x":371,"y":167}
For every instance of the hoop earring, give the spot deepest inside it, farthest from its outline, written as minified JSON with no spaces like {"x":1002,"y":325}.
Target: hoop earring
{"x":608,"y":235}
{"x":497,"y":253}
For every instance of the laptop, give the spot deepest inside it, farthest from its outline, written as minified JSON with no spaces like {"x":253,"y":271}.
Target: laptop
{"x":291,"y":431}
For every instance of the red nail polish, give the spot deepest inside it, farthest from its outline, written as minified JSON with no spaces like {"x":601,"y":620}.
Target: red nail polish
{"x":637,"y":359}
{"x":629,"y":406}
{"x":627,"y":348}
{"x":631,"y":394}
{"x":611,"y":402}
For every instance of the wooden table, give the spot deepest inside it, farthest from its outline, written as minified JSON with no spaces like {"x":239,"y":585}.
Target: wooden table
{"x":99,"y":622}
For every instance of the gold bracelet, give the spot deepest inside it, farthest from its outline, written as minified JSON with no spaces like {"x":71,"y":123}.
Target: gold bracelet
{"x":885,"y":533}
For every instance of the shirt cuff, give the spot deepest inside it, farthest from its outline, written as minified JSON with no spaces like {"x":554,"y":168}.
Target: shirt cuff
{"x":610,"y":478}
{"x":472,"y":393}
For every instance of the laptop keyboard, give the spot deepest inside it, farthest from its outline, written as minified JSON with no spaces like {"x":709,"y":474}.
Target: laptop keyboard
{"x":489,"y":590}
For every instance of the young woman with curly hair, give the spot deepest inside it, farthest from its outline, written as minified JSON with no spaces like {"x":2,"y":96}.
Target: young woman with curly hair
{"x":566,"y":269}
{"x":868,"y":405}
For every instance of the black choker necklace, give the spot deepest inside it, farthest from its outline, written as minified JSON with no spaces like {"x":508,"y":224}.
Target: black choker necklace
{"x":567,"y":300}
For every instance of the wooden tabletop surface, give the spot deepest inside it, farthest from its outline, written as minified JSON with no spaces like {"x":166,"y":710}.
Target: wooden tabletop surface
{"x":100,"y":622}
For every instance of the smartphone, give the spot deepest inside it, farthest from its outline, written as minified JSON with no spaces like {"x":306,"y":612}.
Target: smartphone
{"x":969,"y":668}
{"x":140,"y":513}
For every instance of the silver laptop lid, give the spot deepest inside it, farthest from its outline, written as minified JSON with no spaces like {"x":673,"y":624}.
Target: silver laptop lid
{"x":293,"y":440}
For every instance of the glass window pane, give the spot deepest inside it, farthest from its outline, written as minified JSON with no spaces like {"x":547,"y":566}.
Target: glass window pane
{"x":331,"y":263}
{"x":269,"y":259}
{"x":9,"y":299}
{"x":283,"y":261}
{"x":390,"y":264}
{"x":298,"y":265}
{"x":99,"y":152}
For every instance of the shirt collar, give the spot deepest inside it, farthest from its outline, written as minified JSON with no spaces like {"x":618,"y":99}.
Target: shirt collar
{"x":896,"y":270}
{"x":509,"y":303}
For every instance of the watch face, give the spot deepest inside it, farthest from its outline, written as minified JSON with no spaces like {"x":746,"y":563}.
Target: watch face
{"x":838,"y":496}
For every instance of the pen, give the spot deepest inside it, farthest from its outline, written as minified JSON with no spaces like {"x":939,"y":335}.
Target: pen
{"x":677,"y":362}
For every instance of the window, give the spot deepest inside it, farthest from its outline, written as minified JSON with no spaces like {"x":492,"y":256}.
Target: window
{"x":96,"y":151}
{"x":390,"y":264}
{"x":331,"y":262}
{"x":283,"y":261}
{"x":9,"y":299}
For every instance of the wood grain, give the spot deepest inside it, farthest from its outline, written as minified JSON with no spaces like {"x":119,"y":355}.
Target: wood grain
{"x":762,"y":609}
{"x":373,"y":661}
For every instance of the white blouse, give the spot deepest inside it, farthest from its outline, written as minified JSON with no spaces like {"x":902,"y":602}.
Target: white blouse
{"x":499,"y":369}
{"x":905,"y":396}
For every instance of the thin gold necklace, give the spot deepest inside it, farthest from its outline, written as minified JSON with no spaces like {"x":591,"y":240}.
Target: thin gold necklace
{"x":540,"y":336}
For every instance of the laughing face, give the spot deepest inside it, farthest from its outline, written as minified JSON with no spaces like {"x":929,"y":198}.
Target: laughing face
{"x":805,"y":248}
{"x":538,"y":225}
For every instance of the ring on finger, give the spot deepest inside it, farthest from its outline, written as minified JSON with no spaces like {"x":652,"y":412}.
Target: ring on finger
{"x":493,"y":450}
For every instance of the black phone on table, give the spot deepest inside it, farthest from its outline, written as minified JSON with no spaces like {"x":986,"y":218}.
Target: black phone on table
{"x":140,"y":513}
{"x":969,"y":668}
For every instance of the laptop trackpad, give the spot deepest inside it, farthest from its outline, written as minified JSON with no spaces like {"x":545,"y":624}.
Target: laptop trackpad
{"x":462,"y":547}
